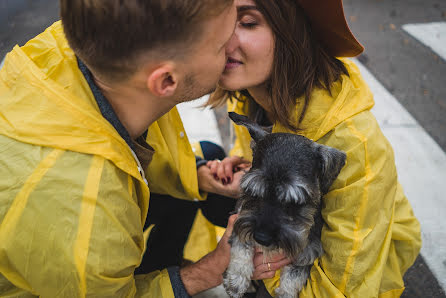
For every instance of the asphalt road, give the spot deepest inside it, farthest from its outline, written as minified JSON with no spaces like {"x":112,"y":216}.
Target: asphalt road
{"x":21,"y":20}
{"x":414,"y":74}
{"x":410,"y":71}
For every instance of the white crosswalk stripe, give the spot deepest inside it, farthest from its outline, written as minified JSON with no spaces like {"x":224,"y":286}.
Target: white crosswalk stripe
{"x":421,"y":165}
{"x":433,"y":35}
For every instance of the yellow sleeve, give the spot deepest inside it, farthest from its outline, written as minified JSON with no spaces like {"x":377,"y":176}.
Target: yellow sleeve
{"x":370,"y":236}
{"x":71,"y":226}
{"x":359,"y":215}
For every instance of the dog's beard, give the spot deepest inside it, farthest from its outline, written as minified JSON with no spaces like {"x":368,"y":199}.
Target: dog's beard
{"x":291,"y":239}
{"x":244,"y":228}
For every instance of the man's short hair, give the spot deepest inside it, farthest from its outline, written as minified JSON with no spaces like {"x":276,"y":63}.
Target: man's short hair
{"x":110,"y":36}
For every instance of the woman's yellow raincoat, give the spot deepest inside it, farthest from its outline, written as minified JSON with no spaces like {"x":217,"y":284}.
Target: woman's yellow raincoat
{"x":72,"y":202}
{"x":370,"y":236}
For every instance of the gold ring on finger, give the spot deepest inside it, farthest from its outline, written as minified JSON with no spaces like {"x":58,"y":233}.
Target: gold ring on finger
{"x":269,"y":266}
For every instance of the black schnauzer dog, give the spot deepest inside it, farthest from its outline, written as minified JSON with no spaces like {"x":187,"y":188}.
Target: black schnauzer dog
{"x":280,"y":209}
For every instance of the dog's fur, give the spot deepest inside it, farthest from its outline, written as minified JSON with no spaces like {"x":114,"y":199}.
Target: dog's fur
{"x":280,"y":206}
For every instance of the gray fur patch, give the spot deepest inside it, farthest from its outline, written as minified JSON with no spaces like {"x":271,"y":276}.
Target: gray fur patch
{"x":253,"y":183}
{"x":296,"y":192}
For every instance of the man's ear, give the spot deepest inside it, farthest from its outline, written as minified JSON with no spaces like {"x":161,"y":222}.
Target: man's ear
{"x":163,"y":80}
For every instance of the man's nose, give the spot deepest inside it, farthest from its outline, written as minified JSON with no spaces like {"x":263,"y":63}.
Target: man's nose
{"x":232,"y":44}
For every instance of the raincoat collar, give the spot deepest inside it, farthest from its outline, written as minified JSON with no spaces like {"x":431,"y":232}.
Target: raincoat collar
{"x":104,"y":105}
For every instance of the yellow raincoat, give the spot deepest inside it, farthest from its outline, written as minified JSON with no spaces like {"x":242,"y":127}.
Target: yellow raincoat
{"x":72,"y":202}
{"x":370,"y":237}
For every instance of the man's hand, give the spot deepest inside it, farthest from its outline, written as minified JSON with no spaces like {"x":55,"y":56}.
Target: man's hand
{"x":208,"y":183}
{"x":207,"y":272}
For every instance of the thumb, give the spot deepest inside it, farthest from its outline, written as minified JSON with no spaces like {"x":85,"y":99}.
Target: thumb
{"x":231,"y":221}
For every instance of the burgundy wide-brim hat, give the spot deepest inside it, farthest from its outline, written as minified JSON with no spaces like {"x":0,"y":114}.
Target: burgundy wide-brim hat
{"x":330,"y":25}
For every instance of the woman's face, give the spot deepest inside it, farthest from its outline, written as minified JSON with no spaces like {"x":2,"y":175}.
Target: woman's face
{"x":251,"y":50}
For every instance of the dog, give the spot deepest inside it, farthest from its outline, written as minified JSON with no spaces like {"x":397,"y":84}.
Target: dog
{"x":280,"y":207}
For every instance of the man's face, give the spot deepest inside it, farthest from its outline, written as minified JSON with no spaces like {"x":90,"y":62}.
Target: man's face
{"x":204,"y":66}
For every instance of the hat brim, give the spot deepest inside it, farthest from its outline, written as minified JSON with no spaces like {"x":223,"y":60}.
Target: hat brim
{"x":330,"y":25}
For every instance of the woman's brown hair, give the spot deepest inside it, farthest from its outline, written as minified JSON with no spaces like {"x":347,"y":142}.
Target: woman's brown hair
{"x":300,"y":64}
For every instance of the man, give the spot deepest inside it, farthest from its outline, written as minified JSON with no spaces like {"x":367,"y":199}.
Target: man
{"x":75,"y":106}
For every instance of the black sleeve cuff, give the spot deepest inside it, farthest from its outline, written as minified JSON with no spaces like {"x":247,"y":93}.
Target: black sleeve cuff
{"x":179,"y":290}
{"x":200,"y":162}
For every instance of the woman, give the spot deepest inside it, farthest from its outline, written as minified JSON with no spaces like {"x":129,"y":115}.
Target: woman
{"x":283,"y":72}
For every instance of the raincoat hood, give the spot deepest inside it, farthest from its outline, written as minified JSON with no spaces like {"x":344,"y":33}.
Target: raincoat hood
{"x":349,"y":97}
{"x":45,"y":100}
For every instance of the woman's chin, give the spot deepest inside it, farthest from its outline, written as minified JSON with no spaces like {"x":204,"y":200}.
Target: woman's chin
{"x":230,"y":84}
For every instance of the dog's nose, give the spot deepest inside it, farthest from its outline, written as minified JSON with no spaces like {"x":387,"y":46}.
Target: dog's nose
{"x":262,"y":238}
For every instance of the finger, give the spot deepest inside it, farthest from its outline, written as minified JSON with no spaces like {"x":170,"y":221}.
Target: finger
{"x":221,"y":173}
{"x":238,"y":176}
{"x":260,"y":259}
{"x":233,"y":189}
{"x":230,"y":225}
{"x":263,"y":275}
{"x":238,"y":160}
{"x":214,"y":167}
{"x":245,"y":166}
{"x":227,"y":169}
{"x":273,"y":266}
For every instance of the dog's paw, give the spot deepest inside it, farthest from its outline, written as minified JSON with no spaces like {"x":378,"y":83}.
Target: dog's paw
{"x":235,"y":284}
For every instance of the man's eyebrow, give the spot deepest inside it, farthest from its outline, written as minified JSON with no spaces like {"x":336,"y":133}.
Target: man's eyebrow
{"x":246,"y":7}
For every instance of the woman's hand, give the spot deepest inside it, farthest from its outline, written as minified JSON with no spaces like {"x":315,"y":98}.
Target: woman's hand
{"x":226,"y":169}
{"x":266,"y":267}
{"x":207,"y":183}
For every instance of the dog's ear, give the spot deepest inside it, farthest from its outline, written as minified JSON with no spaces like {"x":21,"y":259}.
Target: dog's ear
{"x":256,"y":132}
{"x":333,"y":161}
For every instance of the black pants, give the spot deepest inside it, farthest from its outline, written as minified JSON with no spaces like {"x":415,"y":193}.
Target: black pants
{"x":173,"y":219}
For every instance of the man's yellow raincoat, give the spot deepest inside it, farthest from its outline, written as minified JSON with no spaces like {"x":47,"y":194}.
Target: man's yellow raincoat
{"x":370,"y":236}
{"x":72,"y":202}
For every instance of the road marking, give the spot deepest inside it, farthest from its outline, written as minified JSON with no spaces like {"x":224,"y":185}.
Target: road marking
{"x":432,"y":35}
{"x":421,"y":166}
